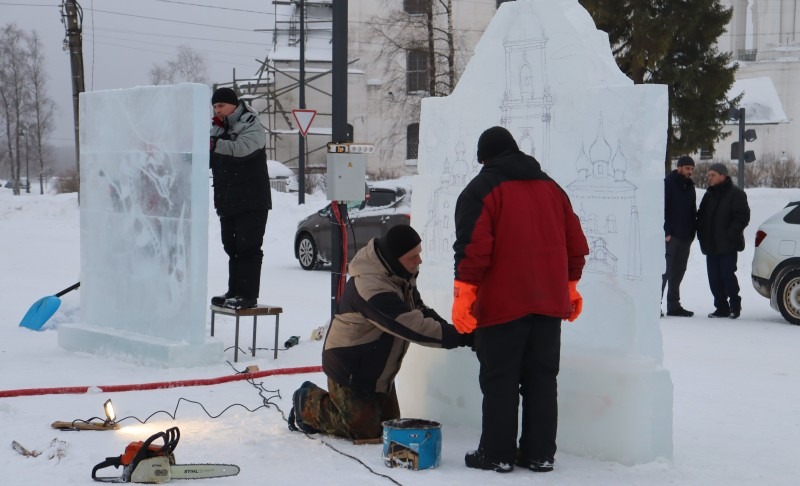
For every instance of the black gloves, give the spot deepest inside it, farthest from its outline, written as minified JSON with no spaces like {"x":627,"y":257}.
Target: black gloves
{"x":467,"y":340}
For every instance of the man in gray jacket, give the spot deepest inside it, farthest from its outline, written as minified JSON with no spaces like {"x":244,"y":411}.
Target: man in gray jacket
{"x":380,"y":313}
{"x":242,"y":195}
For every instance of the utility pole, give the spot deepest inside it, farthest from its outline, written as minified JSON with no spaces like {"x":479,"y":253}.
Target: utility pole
{"x":338,"y":134}
{"x":72,"y":17}
{"x":301,"y":160}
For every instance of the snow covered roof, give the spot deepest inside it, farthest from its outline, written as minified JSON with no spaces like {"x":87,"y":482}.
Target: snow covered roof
{"x":277,"y":169}
{"x":760,"y":101}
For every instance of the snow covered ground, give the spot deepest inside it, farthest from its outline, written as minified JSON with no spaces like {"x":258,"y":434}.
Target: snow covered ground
{"x":736,"y":406}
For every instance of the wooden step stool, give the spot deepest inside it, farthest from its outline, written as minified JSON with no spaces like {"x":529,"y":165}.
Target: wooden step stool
{"x":259,"y":310}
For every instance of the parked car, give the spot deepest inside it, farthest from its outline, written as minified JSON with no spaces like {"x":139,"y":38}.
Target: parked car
{"x":776,"y":262}
{"x":384,"y":206}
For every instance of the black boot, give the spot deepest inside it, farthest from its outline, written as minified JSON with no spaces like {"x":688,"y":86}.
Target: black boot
{"x":239,"y":303}
{"x":219,"y":300}
{"x":478,"y":460}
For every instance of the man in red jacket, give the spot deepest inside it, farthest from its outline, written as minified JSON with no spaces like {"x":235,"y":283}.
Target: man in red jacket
{"x":519,"y":254}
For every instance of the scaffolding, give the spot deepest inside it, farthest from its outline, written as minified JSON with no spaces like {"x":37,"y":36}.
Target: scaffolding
{"x":272,"y":89}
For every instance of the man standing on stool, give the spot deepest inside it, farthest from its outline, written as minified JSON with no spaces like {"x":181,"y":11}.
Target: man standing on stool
{"x":680,"y":225}
{"x":242,"y":195}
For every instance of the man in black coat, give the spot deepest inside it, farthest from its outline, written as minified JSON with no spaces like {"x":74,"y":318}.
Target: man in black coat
{"x":680,"y":224}
{"x":721,"y":220}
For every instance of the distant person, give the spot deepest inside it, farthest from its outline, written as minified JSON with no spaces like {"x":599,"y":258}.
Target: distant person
{"x":380,"y":313}
{"x":680,"y":226}
{"x":242,"y":195}
{"x":721,"y":219}
{"x":519,"y":253}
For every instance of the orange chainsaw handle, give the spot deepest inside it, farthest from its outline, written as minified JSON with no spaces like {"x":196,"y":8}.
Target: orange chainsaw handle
{"x":135,"y":452}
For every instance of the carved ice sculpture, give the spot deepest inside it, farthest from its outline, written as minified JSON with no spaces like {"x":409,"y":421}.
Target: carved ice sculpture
{"x":144,"y":225}
{"x":543,"y":71}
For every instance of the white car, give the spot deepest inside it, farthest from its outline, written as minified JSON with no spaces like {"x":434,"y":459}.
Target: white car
{"x":776,"y":261}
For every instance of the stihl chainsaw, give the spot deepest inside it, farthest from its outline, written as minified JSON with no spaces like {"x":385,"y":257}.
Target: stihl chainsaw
{"x":145,"y":462}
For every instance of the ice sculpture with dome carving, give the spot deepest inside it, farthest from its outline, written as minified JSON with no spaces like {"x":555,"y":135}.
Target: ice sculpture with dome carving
{"x":543,"y":71}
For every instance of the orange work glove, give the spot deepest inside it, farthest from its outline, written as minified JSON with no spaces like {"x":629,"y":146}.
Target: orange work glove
{"x":464,"y":296}
{"x":575,"y":299}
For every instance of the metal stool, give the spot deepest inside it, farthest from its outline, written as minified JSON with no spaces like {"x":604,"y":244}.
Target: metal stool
{"x":259,"y":310}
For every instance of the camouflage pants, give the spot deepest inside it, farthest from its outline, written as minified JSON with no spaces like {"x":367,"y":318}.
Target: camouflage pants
{"x":349,"y":413}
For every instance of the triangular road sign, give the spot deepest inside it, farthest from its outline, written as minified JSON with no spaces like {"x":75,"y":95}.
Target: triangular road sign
{"x":304,"y":119}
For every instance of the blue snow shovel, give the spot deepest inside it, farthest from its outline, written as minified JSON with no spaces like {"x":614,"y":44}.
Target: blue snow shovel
{"x":43,"y":309}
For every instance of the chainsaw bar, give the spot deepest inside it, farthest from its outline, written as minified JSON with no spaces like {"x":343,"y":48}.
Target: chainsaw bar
{"x":202,"y":471}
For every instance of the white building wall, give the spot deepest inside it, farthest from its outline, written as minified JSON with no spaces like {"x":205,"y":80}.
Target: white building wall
{"x":770,"y":29}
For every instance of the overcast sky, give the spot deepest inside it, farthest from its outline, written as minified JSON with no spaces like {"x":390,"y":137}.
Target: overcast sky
{"x":122,"y":39}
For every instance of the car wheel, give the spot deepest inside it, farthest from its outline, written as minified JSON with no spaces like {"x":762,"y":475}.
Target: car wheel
{"x":788,"y":296}
{"x":307,"y":252}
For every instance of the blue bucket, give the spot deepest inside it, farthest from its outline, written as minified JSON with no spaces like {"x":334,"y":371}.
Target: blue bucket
{"x":412,"y":443}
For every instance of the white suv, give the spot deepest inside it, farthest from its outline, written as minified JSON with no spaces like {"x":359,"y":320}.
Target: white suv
{"x":776,"y":261}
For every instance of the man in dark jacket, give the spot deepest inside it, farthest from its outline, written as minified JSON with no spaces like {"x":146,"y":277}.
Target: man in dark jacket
{"x":242,"y":195}
{"x":680,"y":224}
{"x":721,"y":219}
{"x":380,"y":313}
{"x":519,"y":253}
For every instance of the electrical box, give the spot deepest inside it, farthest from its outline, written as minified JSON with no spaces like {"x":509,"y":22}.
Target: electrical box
{"x":347,"y":171}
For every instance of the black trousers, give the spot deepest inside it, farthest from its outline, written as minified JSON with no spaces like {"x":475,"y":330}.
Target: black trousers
{"x":520,"y":357}
{"x":677,"y":256}
{"x":242,"y":236}
{"x":723,"y":282}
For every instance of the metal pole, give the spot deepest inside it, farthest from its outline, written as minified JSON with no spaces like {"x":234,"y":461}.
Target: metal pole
{"x":338,"y":131}
{"x":74,"y":15}
{"x":27,"y":163}
{"x":741,"y":149}
{"x":301,"y":160}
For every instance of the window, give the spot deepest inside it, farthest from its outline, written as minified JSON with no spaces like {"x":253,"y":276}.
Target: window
{"x":412,"y":141}
{"x":379,"y":198}
{"x":707,"y":153}
{"x":416,"y":70}
{"x":415,"y":7}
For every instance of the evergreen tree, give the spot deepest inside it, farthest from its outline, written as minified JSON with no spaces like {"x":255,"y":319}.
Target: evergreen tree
{"x":673,"y":42}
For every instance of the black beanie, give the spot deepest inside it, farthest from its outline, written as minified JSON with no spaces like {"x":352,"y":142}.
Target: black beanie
{"x":494,"y":142}
{"x":719,"y":168}
{"x":400,"y":240}
{"x":224,"y":95}
{"x":685,"y":160}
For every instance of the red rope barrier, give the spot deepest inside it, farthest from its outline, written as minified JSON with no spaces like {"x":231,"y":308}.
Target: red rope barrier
{"x":162,"y":384}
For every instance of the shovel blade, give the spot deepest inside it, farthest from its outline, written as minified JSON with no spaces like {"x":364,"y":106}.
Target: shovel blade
{"x":42,"y":310}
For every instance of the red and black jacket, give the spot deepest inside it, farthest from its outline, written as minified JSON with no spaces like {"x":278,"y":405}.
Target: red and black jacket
{"x":518,"y":240}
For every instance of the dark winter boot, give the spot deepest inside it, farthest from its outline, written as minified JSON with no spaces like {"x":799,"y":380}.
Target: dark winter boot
{"x":239,"y":303}
{"x":296,"y":422}
{"x":478,"y":460}
{"x":720,"y":313}
{"x":536,"y":465}
{"x":219,"y":300}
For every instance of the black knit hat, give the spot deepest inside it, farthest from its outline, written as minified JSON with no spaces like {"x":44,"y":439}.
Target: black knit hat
{"x":225,"y":95}
{"x":400,"y":240}
{"x":494,"y":142}
{"x":685,"y":160}
{"x":719,"y":168}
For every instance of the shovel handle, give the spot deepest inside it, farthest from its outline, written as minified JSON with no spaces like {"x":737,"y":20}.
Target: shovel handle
{"x":68,"y":289}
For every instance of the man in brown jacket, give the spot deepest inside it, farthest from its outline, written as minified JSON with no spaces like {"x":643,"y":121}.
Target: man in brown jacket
{"x":380,"y":313}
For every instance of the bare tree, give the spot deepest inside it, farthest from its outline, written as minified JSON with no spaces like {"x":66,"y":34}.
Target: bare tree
{"x":42,"y":107}
{"x":405,"y":37}
{"x":13,"y":94}
{"x":188,"y":66}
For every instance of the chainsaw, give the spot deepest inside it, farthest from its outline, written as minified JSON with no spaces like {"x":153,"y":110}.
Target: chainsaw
{"x":145,"y":462}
